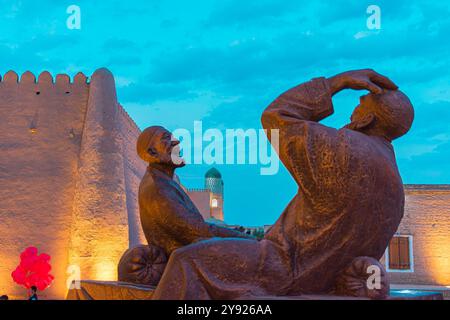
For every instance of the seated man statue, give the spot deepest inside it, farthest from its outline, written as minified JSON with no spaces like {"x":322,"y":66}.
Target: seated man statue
{"x":169,"y":218}
{"x":349,"y":204}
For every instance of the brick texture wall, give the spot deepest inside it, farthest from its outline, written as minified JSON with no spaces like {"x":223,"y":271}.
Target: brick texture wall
{"x":427,"y":220}
{"x":201,"y":199}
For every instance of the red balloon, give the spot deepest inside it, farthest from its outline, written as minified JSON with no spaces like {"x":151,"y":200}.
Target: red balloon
{"x":33,"y":270}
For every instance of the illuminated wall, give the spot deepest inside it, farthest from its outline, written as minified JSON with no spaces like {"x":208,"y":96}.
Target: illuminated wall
{"x":216,"y":203}
{"x":427,"y":220}
{"x":201,"y":199}
{"x":210,"y":205}
{"x":68,"y":176}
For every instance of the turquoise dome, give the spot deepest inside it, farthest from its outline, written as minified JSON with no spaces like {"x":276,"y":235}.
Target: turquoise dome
{"x":213,"y":173}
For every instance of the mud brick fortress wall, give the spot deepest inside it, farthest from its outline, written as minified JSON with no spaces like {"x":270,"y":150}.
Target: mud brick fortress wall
{"x":68,"y":176}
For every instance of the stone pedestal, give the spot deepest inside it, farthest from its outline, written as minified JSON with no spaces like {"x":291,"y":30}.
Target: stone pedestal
{"x":110,"y":290}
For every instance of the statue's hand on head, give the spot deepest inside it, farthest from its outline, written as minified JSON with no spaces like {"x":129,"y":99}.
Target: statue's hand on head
{"x":365,"y":79}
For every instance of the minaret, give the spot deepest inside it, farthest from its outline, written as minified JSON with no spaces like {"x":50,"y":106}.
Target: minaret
{"x":214,"y":183}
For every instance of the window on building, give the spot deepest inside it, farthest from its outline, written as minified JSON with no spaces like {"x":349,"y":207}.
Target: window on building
{"x":399,"y":254}
{"x":214,"y":203}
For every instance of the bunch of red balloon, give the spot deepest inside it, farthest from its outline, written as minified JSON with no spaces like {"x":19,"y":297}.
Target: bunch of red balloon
{"x":33,"y":270}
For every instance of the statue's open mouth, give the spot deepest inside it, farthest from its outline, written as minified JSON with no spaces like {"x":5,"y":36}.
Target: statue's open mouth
{"x":177,"y":154}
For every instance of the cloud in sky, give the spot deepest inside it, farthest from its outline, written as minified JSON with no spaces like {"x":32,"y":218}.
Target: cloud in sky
{"x":223,"y":62}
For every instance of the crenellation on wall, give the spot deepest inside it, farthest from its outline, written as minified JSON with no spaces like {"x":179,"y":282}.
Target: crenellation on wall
{"x":198,"y":190}
{"x":62,"y":80}
{"x":67,"y":179}
{"x":28,"y":77}
{"x":80,"y":78}
{"x":10,"y":77}
{"x":128,"y":118}
{"x":45,"y":78}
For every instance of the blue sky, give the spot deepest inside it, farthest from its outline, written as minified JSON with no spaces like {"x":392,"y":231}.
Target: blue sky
{"x":222,"y":62}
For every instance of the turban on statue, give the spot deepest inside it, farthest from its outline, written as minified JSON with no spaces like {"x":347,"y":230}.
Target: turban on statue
{"x":395,"y":113}
{"x":146,"y":140}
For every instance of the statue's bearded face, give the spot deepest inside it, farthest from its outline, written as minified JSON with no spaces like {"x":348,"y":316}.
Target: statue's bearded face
{"x":363,"y":115}
{"x":166,"y":149}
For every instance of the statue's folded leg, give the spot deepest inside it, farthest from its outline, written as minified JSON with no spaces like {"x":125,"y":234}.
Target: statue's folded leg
{"x":365,"y":277}
{"x":143,"y":264}
{"x":225,"y":269}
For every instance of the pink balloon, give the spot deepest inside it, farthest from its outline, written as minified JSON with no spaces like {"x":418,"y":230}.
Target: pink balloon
{"x":33,"y":270}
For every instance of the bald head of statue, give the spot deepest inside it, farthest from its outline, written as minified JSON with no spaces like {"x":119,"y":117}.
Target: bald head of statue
{"x":389,"y":114}
{"x":157,"y":145}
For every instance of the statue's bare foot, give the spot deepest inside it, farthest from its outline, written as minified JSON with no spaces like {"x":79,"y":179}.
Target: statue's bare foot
{"x":365,"y":277}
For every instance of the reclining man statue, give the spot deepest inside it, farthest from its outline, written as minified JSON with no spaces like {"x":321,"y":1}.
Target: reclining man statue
{"x":330,"y":237}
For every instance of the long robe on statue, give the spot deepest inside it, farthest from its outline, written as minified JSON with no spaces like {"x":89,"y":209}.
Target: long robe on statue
{"x":349,"y":204}
{"x":169,"y":218}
